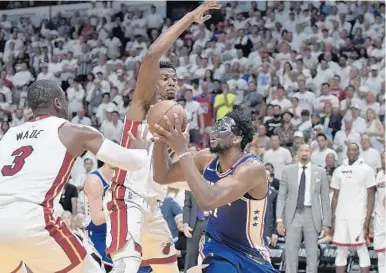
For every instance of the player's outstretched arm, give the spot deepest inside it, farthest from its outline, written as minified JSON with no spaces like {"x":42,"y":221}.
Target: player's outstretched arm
{"x":145,"y":91}
{"x":79,"y":138}
{"x":94,"y":192}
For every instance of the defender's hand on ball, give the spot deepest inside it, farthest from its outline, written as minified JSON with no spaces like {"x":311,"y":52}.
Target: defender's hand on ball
{"x":173,"y":136}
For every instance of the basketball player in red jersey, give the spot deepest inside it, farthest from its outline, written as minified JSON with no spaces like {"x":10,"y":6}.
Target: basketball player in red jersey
{"x":35,"y":163}
{"x":135,"y":227}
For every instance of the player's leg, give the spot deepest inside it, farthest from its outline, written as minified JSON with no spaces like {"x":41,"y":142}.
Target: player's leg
{"x":218,"y":264}
{"x":341,"y":240}
{"x":355,"y":227}
{"x":123,"y":237}
{"x":380,"y":242}
{"x":381,"y":261}
{"x":57,"y":249}
{"x":158,"y":247}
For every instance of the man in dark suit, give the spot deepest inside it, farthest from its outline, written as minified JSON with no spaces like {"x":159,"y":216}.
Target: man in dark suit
{"x":195,"y":221}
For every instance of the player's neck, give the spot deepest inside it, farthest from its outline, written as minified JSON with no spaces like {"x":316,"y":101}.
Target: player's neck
{"x":42,"y":112}
{"x":229,"y":158}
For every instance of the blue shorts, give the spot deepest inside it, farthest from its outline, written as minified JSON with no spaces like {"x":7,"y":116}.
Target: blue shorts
{"x":98,"y":239}
{"x":222,"y":258}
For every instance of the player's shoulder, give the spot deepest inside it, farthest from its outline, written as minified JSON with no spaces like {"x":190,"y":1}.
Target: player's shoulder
{"x":252,"y":165}
{"x":92,"y":182}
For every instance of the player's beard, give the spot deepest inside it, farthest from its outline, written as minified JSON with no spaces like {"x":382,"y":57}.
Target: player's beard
{"x":218,"y":149}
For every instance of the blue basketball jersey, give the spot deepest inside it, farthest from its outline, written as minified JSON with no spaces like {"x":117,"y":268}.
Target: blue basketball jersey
{"x":241,"y":224}
{"x":91,"y":226}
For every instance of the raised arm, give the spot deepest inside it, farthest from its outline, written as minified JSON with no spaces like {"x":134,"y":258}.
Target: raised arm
{"x":79,"y":138}
{"x":94,"y":192}
{"x":145,"y":91}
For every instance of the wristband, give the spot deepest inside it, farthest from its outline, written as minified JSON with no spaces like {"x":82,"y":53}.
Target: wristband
{"x":181,"y":156}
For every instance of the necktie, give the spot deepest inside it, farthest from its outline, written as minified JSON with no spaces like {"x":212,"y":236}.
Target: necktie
{"x":302,"y":189}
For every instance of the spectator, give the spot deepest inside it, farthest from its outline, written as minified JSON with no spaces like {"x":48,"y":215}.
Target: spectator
{"x":75,"y":95}
{"x":195,"y":221}
{"x":277,"y":156}
{"x":370,"y":155}
{"x":275,"y":122}
{"x":223,"y":103}
{"x":81,"y":118}
{"x":286,"y":130}
{"x":319,"y":155}
{"x":69,"y":198}
{"x":171,"y":211}
{"x":112,"y":126}
{"x":195,"y":116}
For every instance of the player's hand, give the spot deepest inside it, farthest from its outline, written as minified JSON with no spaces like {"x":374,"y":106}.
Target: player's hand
{"x":326,"y":231}
{"x":173,"y":136}
{"x":366,"y":231}
{"x":274,"y":239}
{"x":140,"y":141}
{"x":188,"y":231}
{"x":280,"y":228}
{"x":199,"y":13}
{"x":186,"y":133}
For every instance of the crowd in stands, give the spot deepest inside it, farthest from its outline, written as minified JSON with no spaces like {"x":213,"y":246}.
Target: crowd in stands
{"x":305,"y":71}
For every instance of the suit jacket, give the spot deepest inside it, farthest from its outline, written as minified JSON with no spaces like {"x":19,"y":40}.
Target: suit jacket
{"x":190,"y":209}
{"x":288,"y":195}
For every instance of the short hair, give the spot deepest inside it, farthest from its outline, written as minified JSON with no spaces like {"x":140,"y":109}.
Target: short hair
{"x":277,"y":105}
{"x":87,"y":159}
{"x":270,"y":165}
{"x":322,"y":135}
{"x":166,"y":64}
{"x":41,"y":94}
{"x":305,"y":112}
{"x":244,"y":124}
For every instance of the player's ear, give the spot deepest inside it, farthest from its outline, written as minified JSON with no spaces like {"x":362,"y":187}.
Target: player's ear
{"x":57,"y":104}
{"x":237,"y":139}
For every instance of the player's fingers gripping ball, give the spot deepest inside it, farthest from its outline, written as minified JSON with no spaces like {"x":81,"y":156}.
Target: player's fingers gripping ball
{"x":166,"y":108}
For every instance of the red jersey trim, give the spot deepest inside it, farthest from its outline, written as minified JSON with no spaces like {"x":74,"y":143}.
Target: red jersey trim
{"x":57,"y":229}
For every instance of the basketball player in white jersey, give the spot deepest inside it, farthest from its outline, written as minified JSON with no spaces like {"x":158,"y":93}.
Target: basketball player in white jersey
{"x":379,"y":218}
{"x":35,"y":162}
{"x":135,"y":228}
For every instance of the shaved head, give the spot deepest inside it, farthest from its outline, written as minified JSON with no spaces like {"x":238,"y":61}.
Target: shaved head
{"x":47,"y":97}
{"x":42,"y":93}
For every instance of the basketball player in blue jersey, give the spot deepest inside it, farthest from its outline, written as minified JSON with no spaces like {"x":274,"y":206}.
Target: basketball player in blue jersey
{"x":95,"y":188}
{"x":230,"y":183}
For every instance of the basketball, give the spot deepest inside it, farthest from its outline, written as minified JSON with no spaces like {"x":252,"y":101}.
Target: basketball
{"x":165,"y":108}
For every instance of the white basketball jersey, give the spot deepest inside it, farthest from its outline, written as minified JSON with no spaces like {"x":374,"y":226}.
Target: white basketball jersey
{"x":141,"y":181}
{"x":34,"y":164}
{"x":380,"y":196}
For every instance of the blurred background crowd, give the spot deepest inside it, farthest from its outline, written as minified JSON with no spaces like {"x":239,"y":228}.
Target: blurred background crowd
{"x":306,"y":72}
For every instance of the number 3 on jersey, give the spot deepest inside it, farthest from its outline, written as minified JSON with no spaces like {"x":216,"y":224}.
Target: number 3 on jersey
{"x":20,"y":155}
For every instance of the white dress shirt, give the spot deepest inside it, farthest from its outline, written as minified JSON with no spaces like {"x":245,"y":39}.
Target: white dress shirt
{"x":307,"y":193}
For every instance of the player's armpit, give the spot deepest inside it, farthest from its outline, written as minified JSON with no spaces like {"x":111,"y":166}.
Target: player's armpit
{"x":94,"y":193}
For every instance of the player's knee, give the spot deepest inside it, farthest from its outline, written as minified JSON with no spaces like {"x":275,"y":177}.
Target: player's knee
{"x":364,"y":257}
{"x":341,"y":256}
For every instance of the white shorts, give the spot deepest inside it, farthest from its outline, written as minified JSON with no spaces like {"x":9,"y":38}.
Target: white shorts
{"x":141,"y":221}
{"x":349,"y":232}
{"x":29,"y":233}
{"x":379,"y":234}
